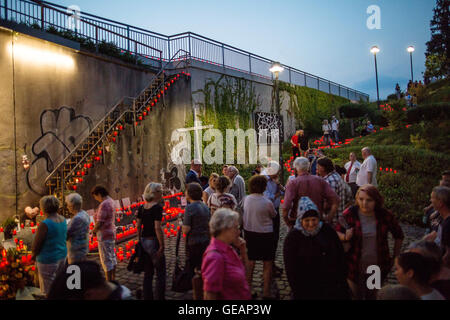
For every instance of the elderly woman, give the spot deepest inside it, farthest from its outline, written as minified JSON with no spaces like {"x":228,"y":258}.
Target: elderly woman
{"x":105,"y":228}
{"x":211,"y":188}
{"x":221,"y":198}
{"x":195,"y":226}
{"x":77,"y":230}
{"x":49,"y":246}
{"x":259,"y":230}
{"x":152,"y":240}
{"x":223,"y":271}
{"x":366,"y":226}
{"x":314,"y":257}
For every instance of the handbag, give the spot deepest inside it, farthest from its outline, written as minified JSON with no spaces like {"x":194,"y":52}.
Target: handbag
{"x":182,"y":278}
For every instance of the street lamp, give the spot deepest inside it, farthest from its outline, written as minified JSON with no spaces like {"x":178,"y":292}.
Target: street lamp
{"x":276,"y":68}
{"x":411,"y":49}
{"x":375,"y":50}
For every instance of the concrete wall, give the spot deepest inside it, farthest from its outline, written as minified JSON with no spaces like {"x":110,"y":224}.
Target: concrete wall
{"x":50,"y":97}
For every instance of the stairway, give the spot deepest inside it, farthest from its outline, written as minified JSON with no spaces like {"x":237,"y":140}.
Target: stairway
{"x":75,"y":167}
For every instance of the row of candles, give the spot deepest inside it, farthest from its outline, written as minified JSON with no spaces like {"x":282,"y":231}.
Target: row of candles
{"x":97,"y":156}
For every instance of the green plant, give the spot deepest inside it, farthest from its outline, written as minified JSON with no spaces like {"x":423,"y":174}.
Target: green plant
{"x":396,"y":115}
{"x":310,"y":107}
{"x":429,"y":112}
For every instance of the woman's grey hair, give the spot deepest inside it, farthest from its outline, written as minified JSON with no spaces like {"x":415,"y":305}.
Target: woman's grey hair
{"x":233,"y":169}
{"x":301,"y":164}
{"x":428,"y":249}
{"x":150,"y":190}
{"x":76,"y":200}
{"x":49,"y":204}
{"x":222,"y":219}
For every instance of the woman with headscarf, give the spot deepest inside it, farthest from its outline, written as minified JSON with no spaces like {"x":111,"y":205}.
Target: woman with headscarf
{"x":314,"y":257}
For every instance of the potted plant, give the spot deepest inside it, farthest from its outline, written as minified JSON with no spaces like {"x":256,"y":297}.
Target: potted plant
{"x":8,"y":227}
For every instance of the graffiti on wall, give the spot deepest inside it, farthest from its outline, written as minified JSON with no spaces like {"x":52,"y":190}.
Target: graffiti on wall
{"x":61,"y":131}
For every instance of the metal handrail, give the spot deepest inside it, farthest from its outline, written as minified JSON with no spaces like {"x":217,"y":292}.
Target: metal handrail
{"x":100,"y":122}
{"x":164,"y":48}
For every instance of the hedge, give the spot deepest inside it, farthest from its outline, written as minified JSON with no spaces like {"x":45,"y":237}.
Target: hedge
{"x":408,"y":191}
{"x":429,"y":112}
{"x":403,"y":158}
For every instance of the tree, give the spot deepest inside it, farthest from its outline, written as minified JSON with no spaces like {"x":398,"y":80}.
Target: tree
{"x":438,"y":48}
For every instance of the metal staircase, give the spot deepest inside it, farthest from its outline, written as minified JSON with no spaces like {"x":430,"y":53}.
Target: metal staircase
{"x":76,"y":165}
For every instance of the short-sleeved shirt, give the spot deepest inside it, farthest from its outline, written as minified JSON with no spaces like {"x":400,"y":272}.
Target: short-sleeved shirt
{"x":326,"y":128}
{"x":342,"y":190}
{"x":335,"y":125}
{"x":258,"y":214}
{"x":369,"y":241}
{"x":224,"y":200}
{"x":223,"y":272}
{"x":353,"y":171}
{"x":78,"y":236}
{"x":369,"y":165}
{"x":197,"y":217}
{"x":306,"y":185}
{"x":106,"y":214}
{"x":148,"y":217}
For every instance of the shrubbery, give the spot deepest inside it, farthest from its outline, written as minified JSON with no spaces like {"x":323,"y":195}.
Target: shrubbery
{"x":408,"y":191}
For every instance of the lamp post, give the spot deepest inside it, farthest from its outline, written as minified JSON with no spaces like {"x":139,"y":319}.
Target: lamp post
{"x":375,"y":50}
{"x":276,"y":68}
{"x":411,"y":49}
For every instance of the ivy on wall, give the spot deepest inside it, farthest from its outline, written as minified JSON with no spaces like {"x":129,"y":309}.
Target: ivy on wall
{"x":310,"y":107}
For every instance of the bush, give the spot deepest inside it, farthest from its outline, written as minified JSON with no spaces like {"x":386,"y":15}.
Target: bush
{"x":396,"y":116}
{"x":408,"y":191}
{"x":429,"y":112}
{"x":404,"y":158}
{"x":352,"y":111}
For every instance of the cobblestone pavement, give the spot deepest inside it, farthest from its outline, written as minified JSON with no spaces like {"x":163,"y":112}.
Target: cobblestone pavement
{"x":280,"y":285}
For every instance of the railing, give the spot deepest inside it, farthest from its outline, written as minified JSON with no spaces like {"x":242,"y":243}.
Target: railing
{"x":157,"y":46}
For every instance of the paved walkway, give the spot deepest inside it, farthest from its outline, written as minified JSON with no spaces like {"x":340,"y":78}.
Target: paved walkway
{"x":134,"y":282}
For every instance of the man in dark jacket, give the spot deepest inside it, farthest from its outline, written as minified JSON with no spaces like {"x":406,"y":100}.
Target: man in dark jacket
{"x":194,"y":174}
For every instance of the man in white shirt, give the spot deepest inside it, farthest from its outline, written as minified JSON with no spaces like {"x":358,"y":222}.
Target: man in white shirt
{"x":352,"y":167}
{"x":335,"y":129}
{"x":368,"y":172}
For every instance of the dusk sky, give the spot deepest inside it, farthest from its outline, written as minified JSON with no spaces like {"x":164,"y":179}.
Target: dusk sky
{"x":328,"y":38}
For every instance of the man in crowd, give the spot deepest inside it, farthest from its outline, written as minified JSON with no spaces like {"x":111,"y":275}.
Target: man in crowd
{"x":440,"y":199}
{"x":431,"y":218}
{"x":325,"y":169}
{"x":237,"y":186}
{"x":368,"y":172}
{"x":352,"y":167}
{"x":194,"y":174}
{"x":307,"y":185}
{"x":335,"y":129}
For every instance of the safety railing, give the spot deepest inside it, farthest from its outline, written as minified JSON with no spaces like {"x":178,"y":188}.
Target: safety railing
{"x":157,"y":46}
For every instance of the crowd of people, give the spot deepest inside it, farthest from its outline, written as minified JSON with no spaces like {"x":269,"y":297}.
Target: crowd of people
{"x":337,"y":223}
